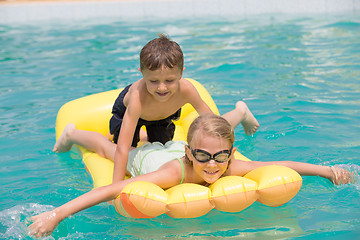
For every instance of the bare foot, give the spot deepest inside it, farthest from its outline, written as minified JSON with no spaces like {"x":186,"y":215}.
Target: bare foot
{"x":63,"y":144}
{"x":249,"y":123}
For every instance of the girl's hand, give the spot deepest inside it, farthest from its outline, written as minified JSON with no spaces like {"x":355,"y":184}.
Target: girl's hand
{"x":43,"y":224}
{"x":341,"y":176}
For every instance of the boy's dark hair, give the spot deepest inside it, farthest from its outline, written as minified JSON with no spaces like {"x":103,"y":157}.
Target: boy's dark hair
{"x":161,"y":52}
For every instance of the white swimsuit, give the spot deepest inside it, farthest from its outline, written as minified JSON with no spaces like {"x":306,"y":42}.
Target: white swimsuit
{"x":151,"y":156}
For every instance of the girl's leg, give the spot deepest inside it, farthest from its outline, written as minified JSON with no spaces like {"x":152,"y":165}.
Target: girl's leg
{"x":242,"y":114}
{"x":93,"y":141}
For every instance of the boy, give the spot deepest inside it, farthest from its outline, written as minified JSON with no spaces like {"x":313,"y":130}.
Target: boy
{"x":154,"y":101}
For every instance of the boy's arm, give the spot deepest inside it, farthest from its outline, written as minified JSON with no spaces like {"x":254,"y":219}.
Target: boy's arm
{"x":125,"y":139}
{"x":193,"y":97}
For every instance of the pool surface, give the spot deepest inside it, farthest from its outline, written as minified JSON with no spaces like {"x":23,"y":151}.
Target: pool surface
{"x":298,"y":74}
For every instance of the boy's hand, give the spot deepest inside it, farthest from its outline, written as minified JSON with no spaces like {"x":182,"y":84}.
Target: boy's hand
{"x":43,"y":224}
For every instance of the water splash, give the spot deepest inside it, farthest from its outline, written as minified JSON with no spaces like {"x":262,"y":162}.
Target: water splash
{"x":355,"y":169}
{"x":16,"y":220}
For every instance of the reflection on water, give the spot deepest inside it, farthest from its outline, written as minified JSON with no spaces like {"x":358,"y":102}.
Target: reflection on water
{"x":299,"y":76}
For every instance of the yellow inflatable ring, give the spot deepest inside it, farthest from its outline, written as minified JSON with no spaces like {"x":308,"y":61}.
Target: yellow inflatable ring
{"x":271,"y":185}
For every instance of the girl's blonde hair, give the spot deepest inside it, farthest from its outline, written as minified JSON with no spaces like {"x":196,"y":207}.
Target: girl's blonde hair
{"x":212,"y":125}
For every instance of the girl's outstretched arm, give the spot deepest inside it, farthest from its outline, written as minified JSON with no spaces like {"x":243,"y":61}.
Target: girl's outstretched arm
{"x":335,"y":174}
{"x":45,"y":223}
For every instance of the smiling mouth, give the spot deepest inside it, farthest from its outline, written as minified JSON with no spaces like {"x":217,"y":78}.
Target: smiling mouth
{"x":162,"y":94}
{"x":211,"y":173}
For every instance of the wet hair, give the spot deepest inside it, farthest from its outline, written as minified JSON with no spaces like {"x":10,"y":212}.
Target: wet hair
{"x":161,"y":52}
{"x":212,"y":125}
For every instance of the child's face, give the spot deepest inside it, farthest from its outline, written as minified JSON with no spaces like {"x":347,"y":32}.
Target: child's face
{"x":162,"y":83}
{"x":211,"y":170}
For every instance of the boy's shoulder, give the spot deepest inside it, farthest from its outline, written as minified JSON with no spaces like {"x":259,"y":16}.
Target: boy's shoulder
{"x":187,"y":89}
{"x":136,"y":92}
{"x":138,"y":88}
{"x":186,"y":85}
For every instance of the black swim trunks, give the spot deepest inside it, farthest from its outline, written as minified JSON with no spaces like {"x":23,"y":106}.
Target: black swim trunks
{"x":157,"y":131}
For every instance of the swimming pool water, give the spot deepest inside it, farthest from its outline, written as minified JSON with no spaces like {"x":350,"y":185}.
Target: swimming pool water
{"x":299,"y":75}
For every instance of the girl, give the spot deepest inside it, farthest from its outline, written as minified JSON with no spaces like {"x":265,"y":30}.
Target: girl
{"x":209,"y":155}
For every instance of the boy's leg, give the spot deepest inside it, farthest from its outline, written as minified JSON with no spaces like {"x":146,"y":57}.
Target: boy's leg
{"x":162,"y":131}
{"x":93,"y":141}
{"x":143,"y":135}
{"x":241,"y":114}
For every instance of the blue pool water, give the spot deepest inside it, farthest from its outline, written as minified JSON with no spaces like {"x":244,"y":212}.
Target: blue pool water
{"x":299,"y":76}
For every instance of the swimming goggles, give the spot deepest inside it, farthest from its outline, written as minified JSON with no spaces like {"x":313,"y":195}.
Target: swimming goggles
{"x":204,"y":156}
